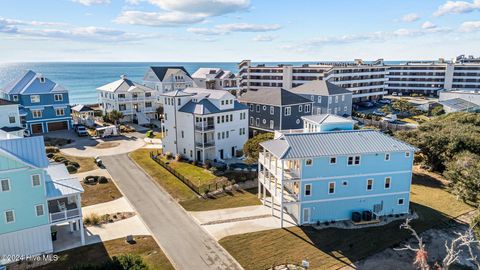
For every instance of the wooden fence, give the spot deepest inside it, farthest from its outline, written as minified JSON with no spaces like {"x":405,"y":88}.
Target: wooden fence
{"x":200,"y":190}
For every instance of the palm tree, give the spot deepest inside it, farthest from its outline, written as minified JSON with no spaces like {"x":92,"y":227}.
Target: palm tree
{"x":115,"y":116}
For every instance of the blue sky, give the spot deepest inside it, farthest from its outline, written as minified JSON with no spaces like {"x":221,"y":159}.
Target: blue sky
{"x":232,"y":30}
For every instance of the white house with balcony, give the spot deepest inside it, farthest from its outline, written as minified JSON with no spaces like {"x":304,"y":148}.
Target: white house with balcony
{"x":216,"y":78}
{"x":167,"y":78}
{"x":203,"y":124}
{"x":10,"y":121}
{"x":35,"y":197}
{"x":136,"y":101}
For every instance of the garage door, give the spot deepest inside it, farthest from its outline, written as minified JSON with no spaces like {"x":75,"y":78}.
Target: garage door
{"x":37,"y":128}
{"x":53,"y":126}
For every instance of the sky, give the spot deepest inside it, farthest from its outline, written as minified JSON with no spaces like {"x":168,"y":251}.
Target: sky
{"x":232,"y":30}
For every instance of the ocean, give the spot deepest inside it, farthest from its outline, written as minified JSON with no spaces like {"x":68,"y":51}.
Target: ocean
{"x":82,"y":78}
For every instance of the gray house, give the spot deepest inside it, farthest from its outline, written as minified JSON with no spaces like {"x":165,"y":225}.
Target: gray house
{"x":327,"y":97}
{"x":274,"y":109}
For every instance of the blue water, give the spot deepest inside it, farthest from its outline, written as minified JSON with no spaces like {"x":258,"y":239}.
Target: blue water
{"x":81,"y":79}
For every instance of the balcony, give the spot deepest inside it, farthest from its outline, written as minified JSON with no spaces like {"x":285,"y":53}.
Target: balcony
{"x":289,"y":174}
{"x":200,"y":127}
{"x":63,"y":209}
{"x":207,"y":144}
{"x":290,"y":190}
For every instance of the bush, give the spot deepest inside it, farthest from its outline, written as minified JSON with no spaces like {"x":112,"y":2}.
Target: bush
{"x":195,"y":163}
{"x":169,"y":155}
{"x":75,"y":164}
{"x":90,"y":179}
{"x":50,"y":155}
{"x":51,"y":149}
{"x":102,"y":180}
{"x":178,"y":157}
{"x":72,"y":169}
{"x":92,"y":219}
{"x":59,"y":159}
{"x":127,"y":262}
{"x":208,"y":164}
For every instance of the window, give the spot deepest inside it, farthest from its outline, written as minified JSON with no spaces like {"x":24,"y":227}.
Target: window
{"x":272,"y":110}
{"x":345,"y":183}
{"x":223,"y":102}
{"x":336,"y":99}
{"x":251,"y":107}
{"x":312,"y":98}
{"x":183,"y":134}
{"x":35,"y":98}
{"x":319,"y":111}
{"x":288,"y":111}
{"x":231,"y":117}
{"x":345,"y":109}
{"x":333,"y":160}
{"x":257,"y":122}
{"x":307,"y":108}
{"x":223,"y":118}
{"x":223,"y":135}
{"x":9,"y":216}
{"x":401,"y":201}
{"x":353,"y":160}
{"x":36,"y":113}
{"x":343,"y":98}
{"x":39,"y":210}
{"x":179,"y":102}
{"x":369,"y":184}
{"x":122,"y":107}
{"x":11,"y":119}
{"x":264,"y":121}
{"x":264,"y":107}
{"x":407,"y":154}
{"x":272,"y":123}
{"x":329,"y":100}
{"x":251,"y":121}
{"x":331,"y":187}
{"x":388,"y":180}
{"x":59,"y":111}
{"x":308,"y":162}
{"x":319,"y":99}
{"x":5,"y":185}
{"x":227,"y":134}
{"x":258,"y":108}
{"x":148,"y":94}
{"x":387,"y":157}
{"x":58,"y":97}
{"x":300,"y":108}
{"x":35,"y":180}
{"x":148,"y":104}
{"x":218,"y":119}
{"x":15,"y":97}
{"x":218,"y":136}
{"x":308,"y":190}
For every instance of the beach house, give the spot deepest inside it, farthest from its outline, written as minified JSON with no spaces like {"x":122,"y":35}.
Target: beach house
{"x":216,"y":78}
{"x":35,"y":196}
{"x":10,"y":118}
{"x":167,"y":78}
{"x":330,"y":172}
{"x":44,"y":104}
{"x":203,"y":124}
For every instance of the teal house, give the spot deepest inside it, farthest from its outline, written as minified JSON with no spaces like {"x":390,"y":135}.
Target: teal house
{"x":330,"y":172}
{"x":35,"y":196}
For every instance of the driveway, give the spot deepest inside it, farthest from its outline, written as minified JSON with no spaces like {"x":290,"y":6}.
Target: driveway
{"x":186,"y":244}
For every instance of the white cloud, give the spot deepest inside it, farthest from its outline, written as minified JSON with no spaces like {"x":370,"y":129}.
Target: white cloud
{"x":223,"y":29}
{"x":181,"y":12}
{"x":263,"y":38}
{"x":92,"y":2}
{"x":411,"y":17}
{"x":428,"y":25}
{"x":457,"y":7}
{"x":470,"y":26}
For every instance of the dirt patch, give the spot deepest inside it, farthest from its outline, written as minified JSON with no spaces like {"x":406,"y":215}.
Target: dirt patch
{"x":105,"y":145}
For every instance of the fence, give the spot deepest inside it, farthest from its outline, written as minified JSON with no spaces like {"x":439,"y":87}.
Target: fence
{"x":383,"y":125}
{"x":202,"y":189}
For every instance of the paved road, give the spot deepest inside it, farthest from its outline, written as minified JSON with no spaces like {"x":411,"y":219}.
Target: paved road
{"x":186,"y":244}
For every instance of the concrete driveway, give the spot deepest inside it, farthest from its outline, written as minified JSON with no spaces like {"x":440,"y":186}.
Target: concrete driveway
{"x":186,"y":244}
{"x":240,"y":220}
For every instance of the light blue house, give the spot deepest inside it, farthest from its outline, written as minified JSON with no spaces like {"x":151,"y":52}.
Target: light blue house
{"x":330,"y":172}
{"x":35,"y":196}
{"x":44,"y":104}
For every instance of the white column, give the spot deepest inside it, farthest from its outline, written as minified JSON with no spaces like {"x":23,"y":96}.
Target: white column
{"x":80,"y":220}
{"x":281,"y":197}
{"x":71,"y":226}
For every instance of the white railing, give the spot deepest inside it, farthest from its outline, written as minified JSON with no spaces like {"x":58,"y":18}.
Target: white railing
{"x":64,"y":215}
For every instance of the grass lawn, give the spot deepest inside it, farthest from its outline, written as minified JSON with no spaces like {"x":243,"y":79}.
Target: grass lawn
{"x":198,"y":175}
{"x":86,"y":163}
{"x":170,"y":183}
{"x":334,"y":248}
{"x":233,"y":199}
{"x":100,"y":253}
{"x":99,"y":193}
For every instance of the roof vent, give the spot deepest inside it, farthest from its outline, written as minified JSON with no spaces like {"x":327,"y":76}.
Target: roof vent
{"x":123,"y":76}
{"x":41,"y":77}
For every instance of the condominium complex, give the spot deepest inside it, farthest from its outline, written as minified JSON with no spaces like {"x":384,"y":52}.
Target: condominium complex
{"x":369,"y":80}
{"x":203,"y":124}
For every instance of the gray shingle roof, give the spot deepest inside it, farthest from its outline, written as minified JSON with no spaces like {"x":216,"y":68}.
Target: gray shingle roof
{"x":319,"y":87}
{"x":204,"y":107}
{"x":310,"y":145}
{"x":161,"y":71}
{"x":272,"y":96}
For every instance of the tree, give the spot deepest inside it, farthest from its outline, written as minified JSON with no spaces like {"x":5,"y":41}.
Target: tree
{"x":402,"y":106}
{"x":437,"y":110}
{"x":114,"y":116}
{"x":252,"y":147}
{"x":464,"y":173}
{"x":386,"y":109}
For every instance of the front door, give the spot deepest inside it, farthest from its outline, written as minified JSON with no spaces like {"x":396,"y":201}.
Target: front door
{"x":306,"y":215}
{"x":199,"y":155}
{"x":221,"y":153}
{"x":233,"y":151}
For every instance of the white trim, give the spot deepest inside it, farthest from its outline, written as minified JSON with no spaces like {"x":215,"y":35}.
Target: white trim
{"x":47,"y":119}
{"x":366,"y":186}
{"x":355,"y":175}
{"x":334,"y":186}
{"x":389,"y":183}
{"x":403,"y":201}
{"x":355,"y":197}
{"x":5,"y":216}
{"x":43,"y":210}
{"x":9,"y":185}
{"x":305,"y":190}
{"x":39,"y":180}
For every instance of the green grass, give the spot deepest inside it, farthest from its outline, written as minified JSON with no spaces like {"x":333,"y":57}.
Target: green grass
{"x":335,"y":248}
{"x":99,"y":253}
{"x":226,"y":200}
{"x":170,"y":183}
{"x":197,"y":175}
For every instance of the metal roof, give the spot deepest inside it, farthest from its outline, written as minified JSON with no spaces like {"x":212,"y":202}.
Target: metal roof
{"x":460,"y":104}
{"x":335,"y":143}
{"x":60,"y":183}
{"x":326,"y":118}
{"x":272,"y":96}
{"x":30,"y":83}
{"x":124,"y":85}
{"x":81,"y":108}
{"x":30,"y":150}
{"x":320,"y":87}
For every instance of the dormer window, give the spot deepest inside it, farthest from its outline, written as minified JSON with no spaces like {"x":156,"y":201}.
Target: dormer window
{"x":42,"y":79}
{"x":15,"y":97}
{"x":58,"y":97}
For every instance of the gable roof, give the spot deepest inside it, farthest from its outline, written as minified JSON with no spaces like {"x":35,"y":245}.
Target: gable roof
{"x":204,"y":73}
{"x":204,"y":107}
{"x":320,"y":87}
{"x":82,"y":108}
{"x":30,"y":150}
{"x":160,"y":72}
{"x":272,"y":96}
{"x":334,"y":143}
{"x":124,"y":85}
{"x":29,"y":83}
{"x":327,"y":118}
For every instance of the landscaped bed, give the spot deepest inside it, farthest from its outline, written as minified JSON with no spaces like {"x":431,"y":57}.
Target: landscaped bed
{"x":335,"y":248}
{"x":95,"y":193}
{"x":85,"y":164}
{"x":225,"y":200}
{"x":97,"y":254}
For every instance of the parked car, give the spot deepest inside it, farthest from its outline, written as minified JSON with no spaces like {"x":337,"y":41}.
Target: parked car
{"x":81,"y":130}
{"x":366,"y":104}
{"x":378,"y":112}
{"x":384,"y":101}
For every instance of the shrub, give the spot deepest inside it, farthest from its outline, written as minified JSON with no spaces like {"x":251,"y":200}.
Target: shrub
{"x":127,"y":262}
{"x":59,"y":159}
{"x":50,"y":155}
{"x":195,"y":162}
{"x":75,"y":164}
{"x":102,"y":180}
{"x":208,"y":164}
{"x":72,"y":169}
{"x":178,"y":157}
{"x":51,"y":149}
{"x":90,"y":179}
{"x":92,"y":219}
{"x":169,"y":155}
